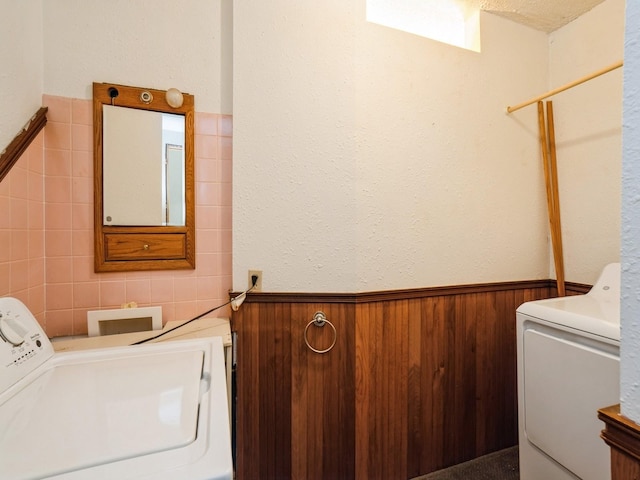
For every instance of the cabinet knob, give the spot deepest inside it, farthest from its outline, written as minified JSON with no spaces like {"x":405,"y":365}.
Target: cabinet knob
{"x":146,"y":247}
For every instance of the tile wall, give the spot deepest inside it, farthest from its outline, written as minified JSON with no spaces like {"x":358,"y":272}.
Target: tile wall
{"x":60,"y":284}
{"x":22,"y":252}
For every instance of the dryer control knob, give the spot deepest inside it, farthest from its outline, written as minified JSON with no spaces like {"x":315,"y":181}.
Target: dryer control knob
{"x":12,"y":331}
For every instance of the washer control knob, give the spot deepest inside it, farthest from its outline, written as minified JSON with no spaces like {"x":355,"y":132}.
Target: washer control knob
{"x":12,"y":331}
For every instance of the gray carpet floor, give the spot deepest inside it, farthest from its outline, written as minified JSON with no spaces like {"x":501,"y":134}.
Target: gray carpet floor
{"x":501,"y":465}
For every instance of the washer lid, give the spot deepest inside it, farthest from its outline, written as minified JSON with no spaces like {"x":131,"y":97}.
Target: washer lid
{"x":82,"y":412}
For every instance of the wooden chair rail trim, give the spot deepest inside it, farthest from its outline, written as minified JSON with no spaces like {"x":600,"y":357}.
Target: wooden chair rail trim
{"x":620,"y":432}
{"x":387,"y":295}
{"x":22,"y":141}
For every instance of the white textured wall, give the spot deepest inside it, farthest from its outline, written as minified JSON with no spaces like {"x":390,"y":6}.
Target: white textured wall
{"x":148,"y":43}
{"x":630,"y":302}
{"x":294,"y":171}
{"x":20,"y":65}
{"x":367,"y":158}
{"x":588,"y":126}
{"x":449,"y":189}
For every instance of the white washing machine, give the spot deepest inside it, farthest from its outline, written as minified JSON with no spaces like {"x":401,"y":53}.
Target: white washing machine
{"x":568,"y":368}
{"x":154,"y":411}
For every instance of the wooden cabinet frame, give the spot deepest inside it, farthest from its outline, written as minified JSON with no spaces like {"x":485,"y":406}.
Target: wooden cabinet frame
{"x":142,"y":247}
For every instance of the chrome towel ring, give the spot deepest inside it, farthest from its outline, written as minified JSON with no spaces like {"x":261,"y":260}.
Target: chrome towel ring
{"x":319,"y":320}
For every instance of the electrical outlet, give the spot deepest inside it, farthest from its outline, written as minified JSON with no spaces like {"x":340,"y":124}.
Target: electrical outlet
{"x":258,"y":273}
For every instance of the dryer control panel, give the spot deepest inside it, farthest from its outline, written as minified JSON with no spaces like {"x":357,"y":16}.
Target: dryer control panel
{"x":23,"y":344}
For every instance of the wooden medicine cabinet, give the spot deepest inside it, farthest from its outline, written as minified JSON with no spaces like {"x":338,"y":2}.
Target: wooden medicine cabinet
{"x":143,"y":147}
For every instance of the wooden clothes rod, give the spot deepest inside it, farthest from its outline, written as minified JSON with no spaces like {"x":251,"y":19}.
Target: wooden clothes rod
{"x":566,"y":87}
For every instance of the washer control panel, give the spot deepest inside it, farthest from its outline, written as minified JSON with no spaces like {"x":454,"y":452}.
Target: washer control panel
{"x":23,"y":344}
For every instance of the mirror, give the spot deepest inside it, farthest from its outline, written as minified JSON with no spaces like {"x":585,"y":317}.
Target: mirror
{"x":137,"y":183}
{"x":144,"y":179}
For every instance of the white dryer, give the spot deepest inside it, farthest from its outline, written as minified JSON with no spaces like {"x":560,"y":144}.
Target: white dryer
{"x":156,"y":411}
{"x":568,"y":368}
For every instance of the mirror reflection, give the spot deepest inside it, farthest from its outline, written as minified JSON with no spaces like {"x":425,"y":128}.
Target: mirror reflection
{"x":143,"y":181}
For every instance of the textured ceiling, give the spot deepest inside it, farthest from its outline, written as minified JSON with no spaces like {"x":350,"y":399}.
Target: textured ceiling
{"x":545,"y":15}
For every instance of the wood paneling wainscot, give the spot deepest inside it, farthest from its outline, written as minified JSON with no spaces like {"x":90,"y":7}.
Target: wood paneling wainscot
{"x":623,"y":436}
{"x":295,"y":408}
{"x":417,"y":380}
